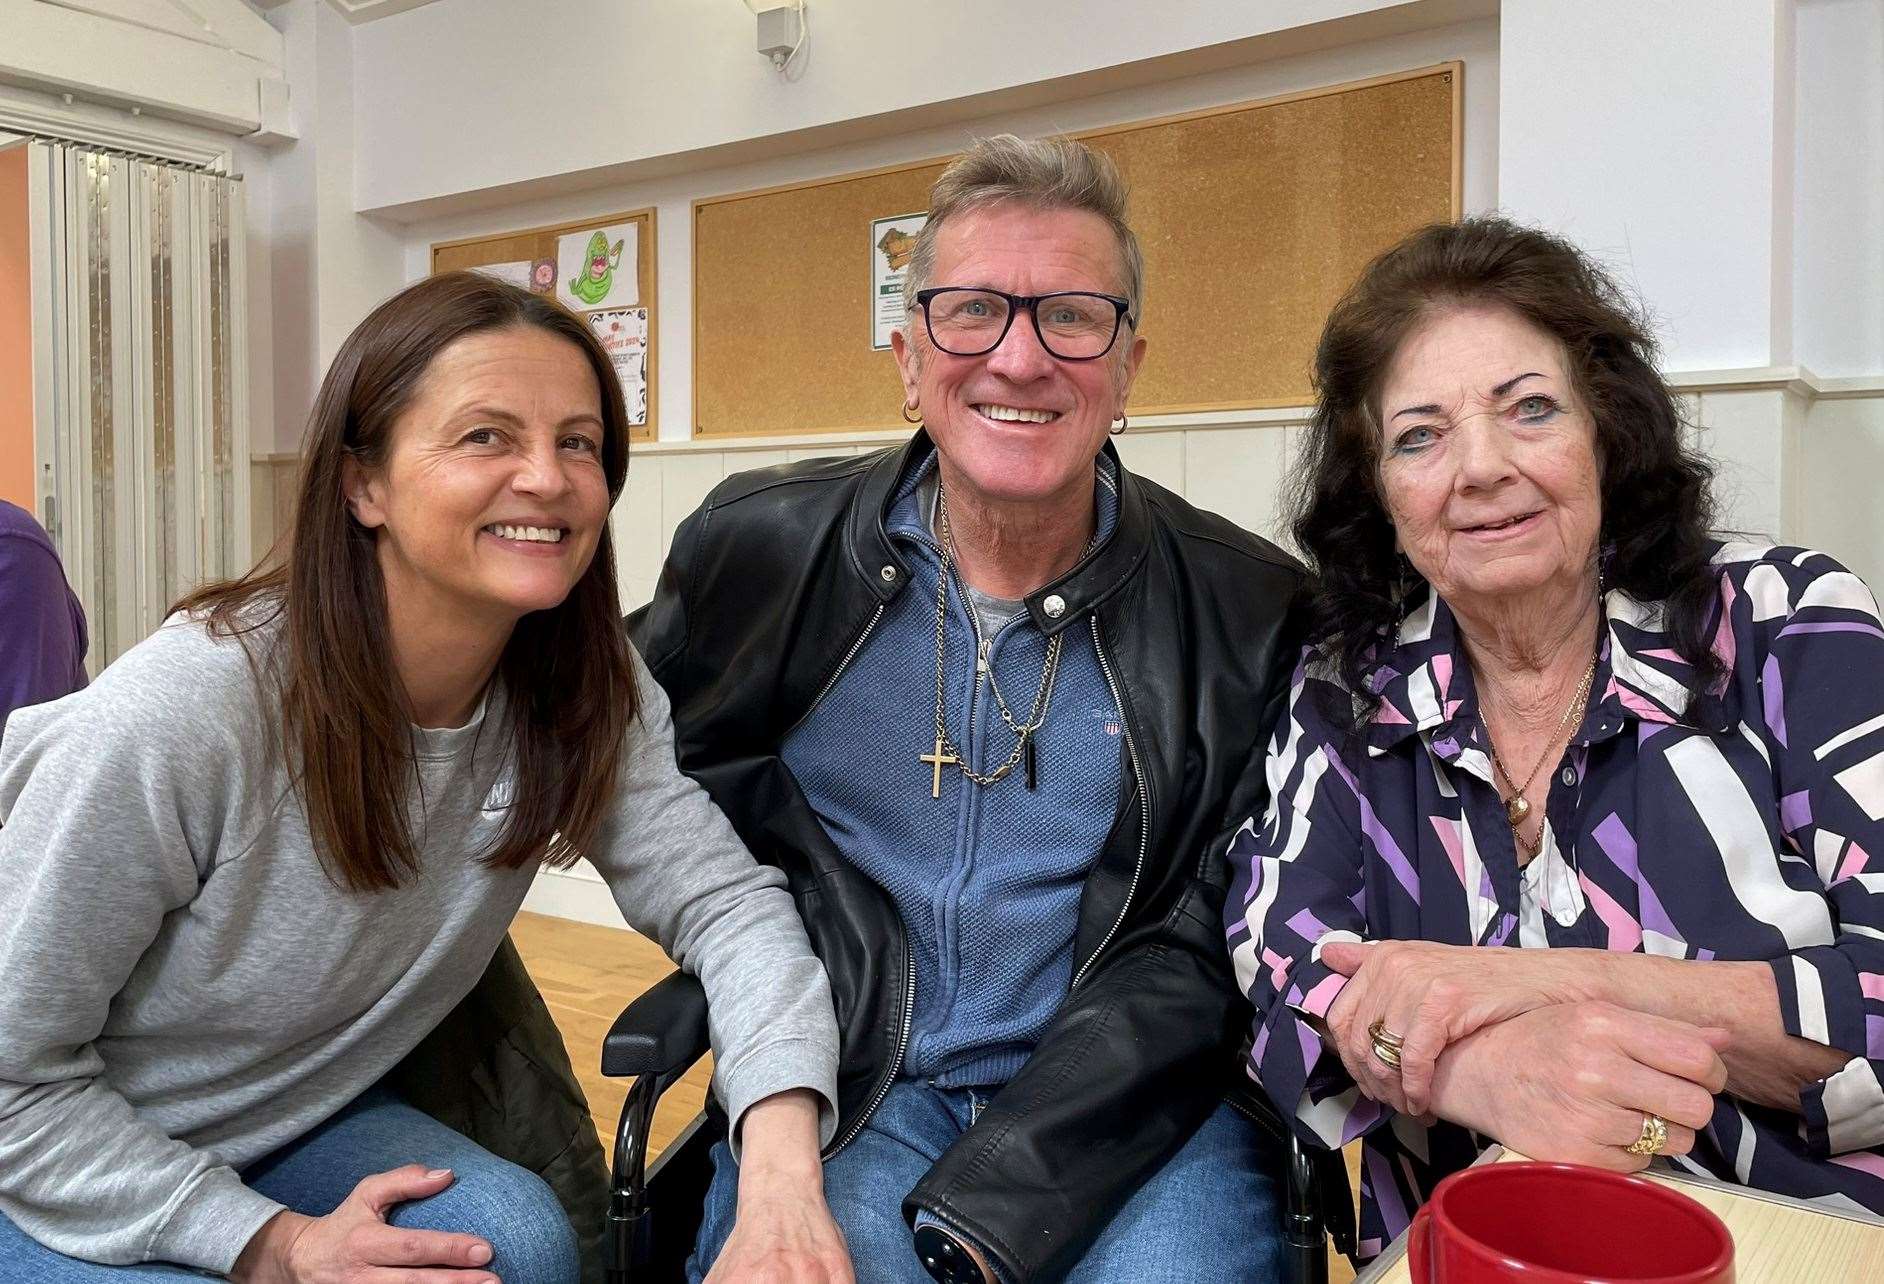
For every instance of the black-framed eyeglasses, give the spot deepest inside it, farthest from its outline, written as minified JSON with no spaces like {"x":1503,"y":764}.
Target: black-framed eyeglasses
{"x":1073,"y":325}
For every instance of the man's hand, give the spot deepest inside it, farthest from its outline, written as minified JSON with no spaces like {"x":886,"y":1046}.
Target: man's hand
{"x":1432,"y":995}
{"x":1572,"y":1082}
{"x":783,"y":1233}
{"x":354,"y":1245}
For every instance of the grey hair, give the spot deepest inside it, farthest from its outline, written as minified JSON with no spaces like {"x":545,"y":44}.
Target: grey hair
{"x":1045,"y":173}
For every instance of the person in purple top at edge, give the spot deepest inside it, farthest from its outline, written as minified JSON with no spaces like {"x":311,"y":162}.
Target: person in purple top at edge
{"x":42,"y":625}
{"x":1576,"y":831}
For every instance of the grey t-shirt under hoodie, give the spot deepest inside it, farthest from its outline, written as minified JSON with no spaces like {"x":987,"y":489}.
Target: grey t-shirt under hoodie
{"x":183,"y":989}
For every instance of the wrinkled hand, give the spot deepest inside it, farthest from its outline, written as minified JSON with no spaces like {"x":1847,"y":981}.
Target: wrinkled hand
{"x":1431,"y":995}
{"x":354,"y":1245}
{"x":784,"y":1234}
{"x":1572,"y":1082}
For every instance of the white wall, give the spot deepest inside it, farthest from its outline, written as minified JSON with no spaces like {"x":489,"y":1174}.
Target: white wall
{"x":1838,"y":295}
{"x":329,"y":264}
{"x":1842,"y":478}
{"x":1658,"y":136}
{"x":618,"y":89}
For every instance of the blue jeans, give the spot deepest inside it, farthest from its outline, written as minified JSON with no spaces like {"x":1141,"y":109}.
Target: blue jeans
{"x":1211,"y":1212}
{"x":490,"y":1197}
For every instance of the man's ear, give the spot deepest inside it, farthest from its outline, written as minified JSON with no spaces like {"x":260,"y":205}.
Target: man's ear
{"x":908,"y":364}
{"x":1129,"y":361}
{"x":363,"y":493}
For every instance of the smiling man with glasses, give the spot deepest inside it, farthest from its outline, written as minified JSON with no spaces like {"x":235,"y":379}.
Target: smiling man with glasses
{"x":991,"y":702}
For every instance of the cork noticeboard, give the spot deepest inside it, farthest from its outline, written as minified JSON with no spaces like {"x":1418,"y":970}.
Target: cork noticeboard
{"x":540,"y":244}
{"x":1253,"y":218}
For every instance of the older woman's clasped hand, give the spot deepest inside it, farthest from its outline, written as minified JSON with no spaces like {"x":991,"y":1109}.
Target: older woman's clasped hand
{"x":1506,"y":1042}
{"x":1431,"y":996}
{"x":1572,"y":1082}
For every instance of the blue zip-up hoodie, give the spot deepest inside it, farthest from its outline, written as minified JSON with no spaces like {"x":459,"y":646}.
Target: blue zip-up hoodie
{"x":987,"y":879}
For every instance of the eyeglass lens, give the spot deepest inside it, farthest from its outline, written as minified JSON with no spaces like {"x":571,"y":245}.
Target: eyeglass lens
{"x":967,"y":323}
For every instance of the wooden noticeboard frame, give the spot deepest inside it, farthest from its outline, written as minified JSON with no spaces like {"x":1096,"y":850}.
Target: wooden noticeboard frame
{"x":539,"y":243}
{"x":1254,"y":217}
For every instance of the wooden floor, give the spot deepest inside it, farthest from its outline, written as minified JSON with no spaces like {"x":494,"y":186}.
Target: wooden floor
{"x":588,"y":975}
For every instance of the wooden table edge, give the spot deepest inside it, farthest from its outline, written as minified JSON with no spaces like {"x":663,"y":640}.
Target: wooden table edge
{"x":1395,"y":1252}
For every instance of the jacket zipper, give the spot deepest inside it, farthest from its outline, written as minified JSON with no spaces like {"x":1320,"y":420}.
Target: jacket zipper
{"x":842,"y":664}
{"x":1144,"y":808}
{"x":902,"y":1046}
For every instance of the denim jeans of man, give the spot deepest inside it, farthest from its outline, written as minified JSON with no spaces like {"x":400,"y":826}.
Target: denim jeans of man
{"x":490,"y":1197}
{"x":1211,"y":1213}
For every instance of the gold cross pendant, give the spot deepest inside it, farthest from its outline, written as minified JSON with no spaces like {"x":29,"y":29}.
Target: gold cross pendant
{"x":940,"y":760}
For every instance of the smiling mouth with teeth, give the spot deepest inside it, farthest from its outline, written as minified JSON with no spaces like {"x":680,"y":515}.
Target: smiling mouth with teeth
{"x":527,"y":534}
{"x":1507,"y":522}
{"x":1017,"y":414}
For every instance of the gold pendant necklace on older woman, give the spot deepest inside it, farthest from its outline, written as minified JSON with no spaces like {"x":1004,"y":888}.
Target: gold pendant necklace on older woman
{"x":1517,"y":806}
{"x":946,"y":754}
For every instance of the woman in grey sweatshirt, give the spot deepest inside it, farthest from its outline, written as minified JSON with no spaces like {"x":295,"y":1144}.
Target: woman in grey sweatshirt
{"x":250,"y":867}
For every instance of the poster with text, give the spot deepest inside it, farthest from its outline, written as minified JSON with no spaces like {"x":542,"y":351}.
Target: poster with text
{"x":624,"y":333}
{"x":597,"y":268}
{"x":892,"y":241}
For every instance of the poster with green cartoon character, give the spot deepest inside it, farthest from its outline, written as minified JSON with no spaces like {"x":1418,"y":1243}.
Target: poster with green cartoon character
{"x":598,"y":268}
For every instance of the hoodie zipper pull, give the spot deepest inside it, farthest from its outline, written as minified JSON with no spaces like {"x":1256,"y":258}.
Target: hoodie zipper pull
{"x":981,"y":658}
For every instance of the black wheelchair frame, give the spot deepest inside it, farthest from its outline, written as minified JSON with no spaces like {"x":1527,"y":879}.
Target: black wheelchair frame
{"x":654,"y":1211}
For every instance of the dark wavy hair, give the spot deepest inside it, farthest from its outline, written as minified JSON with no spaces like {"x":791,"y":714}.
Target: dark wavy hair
{"x":345,"y":722}
{"x":1657,"y":509}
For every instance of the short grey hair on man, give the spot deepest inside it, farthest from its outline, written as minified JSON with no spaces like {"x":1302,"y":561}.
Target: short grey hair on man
{"x":1045,"y":173}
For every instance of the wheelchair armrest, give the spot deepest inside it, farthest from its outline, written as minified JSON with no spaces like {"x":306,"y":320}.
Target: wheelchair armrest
{"x":654,"y":1040}
{"x":659,"y":1034}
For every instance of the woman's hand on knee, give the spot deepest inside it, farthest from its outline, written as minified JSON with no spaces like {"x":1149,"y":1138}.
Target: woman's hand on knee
{"x":1429,"y":996}
{"x":354,"y":1245}
{"x":1573,"y":1082}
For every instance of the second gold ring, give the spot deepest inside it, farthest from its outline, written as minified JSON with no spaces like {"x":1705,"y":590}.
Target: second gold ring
{"x":1654,"y":1136}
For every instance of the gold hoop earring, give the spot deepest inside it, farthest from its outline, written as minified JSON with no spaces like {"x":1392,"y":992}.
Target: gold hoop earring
{"x":912,"y":412}
{"x":1123,"y":423}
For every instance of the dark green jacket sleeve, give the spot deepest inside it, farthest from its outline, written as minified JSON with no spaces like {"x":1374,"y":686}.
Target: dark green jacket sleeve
{"x":495,"y":1069}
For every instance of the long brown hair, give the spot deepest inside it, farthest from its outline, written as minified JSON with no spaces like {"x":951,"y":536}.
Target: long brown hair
{"x":1657,"y":507}
{"x":345,"y":724}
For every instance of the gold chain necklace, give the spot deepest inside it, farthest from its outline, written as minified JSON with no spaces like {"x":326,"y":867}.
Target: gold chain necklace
{"x":946,"y":754}
{"x":1517,"y":806}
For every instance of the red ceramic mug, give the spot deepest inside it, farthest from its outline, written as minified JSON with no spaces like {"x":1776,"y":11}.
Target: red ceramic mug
{"x":1523,"y":1223}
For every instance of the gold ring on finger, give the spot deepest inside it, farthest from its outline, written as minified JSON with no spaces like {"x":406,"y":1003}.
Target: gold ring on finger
{"x":1654,"y":1136}
{"x":1387,"y":1045}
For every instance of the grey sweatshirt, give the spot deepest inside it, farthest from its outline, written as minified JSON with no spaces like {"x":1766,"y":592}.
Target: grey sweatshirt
{"x":183,"y":989}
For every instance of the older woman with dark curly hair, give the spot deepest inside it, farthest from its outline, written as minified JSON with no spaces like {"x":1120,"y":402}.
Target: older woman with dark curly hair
{"x":1546,"y":709}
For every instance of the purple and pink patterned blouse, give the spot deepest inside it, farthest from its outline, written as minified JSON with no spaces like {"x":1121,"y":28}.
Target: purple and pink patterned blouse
{"x":1762,"y":840}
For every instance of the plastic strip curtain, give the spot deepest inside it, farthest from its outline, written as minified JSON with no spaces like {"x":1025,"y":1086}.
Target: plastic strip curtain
{"x":145,"y":483}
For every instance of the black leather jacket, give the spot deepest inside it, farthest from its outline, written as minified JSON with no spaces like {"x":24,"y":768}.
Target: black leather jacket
{"x":769,"y":590}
